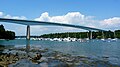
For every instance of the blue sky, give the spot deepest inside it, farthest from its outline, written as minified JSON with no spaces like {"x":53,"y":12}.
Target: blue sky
{"x":94,"y":12}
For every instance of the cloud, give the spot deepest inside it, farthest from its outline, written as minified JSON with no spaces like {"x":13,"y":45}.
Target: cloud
{"x":15,"y":17}
{"x":1,"y":14}
{"x":11,"y":17}
{"x":75,"y":18}
{"x":44,"y":17}
{"x":69,"y":18}
{"x":111,"y":23}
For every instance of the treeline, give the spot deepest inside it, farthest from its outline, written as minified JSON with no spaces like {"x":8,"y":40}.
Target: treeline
{"x":6,"y":34}
{"x":95,"y":35}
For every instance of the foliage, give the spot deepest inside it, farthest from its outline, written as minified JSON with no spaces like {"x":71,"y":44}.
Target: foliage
{"x":95,"y":35}
{"x":6,"y":34}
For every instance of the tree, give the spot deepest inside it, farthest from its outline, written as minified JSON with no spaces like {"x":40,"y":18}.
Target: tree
{"x":6,"y":34}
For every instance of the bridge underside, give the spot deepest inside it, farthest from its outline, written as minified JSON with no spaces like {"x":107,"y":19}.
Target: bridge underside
{"x":31,"y":22}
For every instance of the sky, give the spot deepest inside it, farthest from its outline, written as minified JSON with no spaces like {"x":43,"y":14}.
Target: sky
{"x":103,"y":14}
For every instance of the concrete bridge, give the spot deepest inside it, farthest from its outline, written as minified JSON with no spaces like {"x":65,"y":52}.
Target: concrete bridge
{"x":31,"y":22}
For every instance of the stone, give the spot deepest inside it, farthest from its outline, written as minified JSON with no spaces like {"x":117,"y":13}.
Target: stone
{"x":38,"y":56}
{"x":24,"y":63}
{"x":44,"y":59}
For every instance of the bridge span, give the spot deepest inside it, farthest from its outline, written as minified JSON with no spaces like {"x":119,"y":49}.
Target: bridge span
{"x":31,"y":22}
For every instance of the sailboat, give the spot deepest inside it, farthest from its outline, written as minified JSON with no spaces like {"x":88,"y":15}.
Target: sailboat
{"x":103,"y":38}
{"x":115,"y":39}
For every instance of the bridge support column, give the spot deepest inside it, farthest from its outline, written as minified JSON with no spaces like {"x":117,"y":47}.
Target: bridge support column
{"x":90,"y":34}
{"x":28,"y":39}
{"x":28,"y":32}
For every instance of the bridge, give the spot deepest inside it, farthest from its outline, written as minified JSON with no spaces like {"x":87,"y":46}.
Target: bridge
{"x":31,"y":22}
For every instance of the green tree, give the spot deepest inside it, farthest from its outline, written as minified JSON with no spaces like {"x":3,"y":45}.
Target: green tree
{"x":6,"y":34}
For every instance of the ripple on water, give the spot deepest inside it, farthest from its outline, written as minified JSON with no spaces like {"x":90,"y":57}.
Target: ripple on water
{"x":114,"y":60}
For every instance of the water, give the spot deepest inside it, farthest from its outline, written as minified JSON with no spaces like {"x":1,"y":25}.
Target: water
{"x":92,"y":48}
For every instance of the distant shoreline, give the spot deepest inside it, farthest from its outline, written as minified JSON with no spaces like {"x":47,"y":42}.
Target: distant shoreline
{"x":80,"y":35}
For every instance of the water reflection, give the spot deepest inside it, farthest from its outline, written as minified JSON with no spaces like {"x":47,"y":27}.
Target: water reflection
{"x":27,"y":46}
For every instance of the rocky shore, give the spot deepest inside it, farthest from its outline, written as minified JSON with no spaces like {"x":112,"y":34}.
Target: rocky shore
{"x":17,"y":57}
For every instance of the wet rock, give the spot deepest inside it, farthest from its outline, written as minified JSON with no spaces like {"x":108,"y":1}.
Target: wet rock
{"x":44,"y":59}
{"x":31,"y":54}
{"x":7,"y":59}
{"x":24,"y":63}
{"x":2,"y":47}
{"x":6,"y":51}
{"x":100,"y":63}
{"x":105,"y":57}
{"x":37,"y":58}
{"x":114,"y":61}
{"x":63,"y":58}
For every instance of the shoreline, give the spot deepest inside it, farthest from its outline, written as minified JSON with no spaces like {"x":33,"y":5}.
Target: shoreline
{"x":49,"y":58}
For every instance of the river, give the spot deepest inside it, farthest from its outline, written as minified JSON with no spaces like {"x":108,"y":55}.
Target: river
{"x":92,"y":48}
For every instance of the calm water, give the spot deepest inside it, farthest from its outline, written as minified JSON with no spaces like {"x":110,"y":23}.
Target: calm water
{"x":91,"y":48}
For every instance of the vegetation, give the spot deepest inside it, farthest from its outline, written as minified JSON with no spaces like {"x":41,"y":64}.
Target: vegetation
{"x":95,"y":35}
{"x":6,"y":34}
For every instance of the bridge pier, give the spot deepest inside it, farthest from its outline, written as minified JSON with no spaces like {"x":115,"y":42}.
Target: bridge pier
{"x":28,"y":39}
{"x":90,"y":34}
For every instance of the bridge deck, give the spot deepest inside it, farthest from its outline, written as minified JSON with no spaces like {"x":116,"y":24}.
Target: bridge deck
{"x":31,"y":22}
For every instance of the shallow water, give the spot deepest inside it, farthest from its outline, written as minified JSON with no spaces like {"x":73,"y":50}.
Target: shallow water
{"x":93,"y":48}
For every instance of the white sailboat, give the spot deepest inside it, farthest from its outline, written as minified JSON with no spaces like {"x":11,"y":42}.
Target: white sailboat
{"x":103,"y":37}
{"x":115,"y":39}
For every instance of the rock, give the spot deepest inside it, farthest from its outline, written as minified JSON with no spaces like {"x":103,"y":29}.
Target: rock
{"x":31,"y":54}
{"x":2,"y":47}
{"x":114,"y":60}
{"x":6,"y":51}
{"x":23,"y":63}
{"x":44,"y":59}
{"x":1,"y":66}
{"x":7,"y":59}
{"x":38,"y":56}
